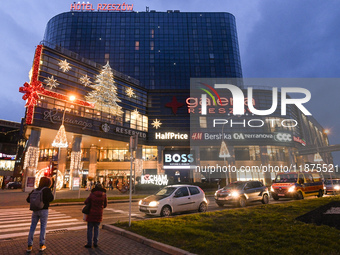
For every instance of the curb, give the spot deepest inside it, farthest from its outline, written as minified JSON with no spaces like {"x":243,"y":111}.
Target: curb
{"x":151,"y":243}
{"x":82,"y":203}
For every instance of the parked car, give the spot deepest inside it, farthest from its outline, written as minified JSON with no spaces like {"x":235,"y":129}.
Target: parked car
{"x":174,"y":199}
{"x":14,"y":185}
{"x":240,"y":193}
{"x":332,"y":188}
{"x":297,"y":185}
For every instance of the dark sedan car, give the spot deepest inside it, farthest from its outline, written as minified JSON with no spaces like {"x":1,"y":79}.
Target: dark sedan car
{"x":14,"y":185}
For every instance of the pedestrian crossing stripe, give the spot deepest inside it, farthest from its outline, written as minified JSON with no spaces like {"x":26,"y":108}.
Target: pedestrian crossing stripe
{"x":16,"y":223}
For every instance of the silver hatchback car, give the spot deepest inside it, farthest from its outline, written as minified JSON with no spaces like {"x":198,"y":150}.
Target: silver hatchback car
{"x":240,"y":193}
{"x":174,"y":199}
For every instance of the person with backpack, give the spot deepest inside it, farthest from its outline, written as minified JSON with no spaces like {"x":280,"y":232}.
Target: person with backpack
{"x":98,"y":201}
{"x":39,"y":200}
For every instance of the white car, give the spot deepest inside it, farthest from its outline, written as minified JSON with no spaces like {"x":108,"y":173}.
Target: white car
{"x":173,"y":199}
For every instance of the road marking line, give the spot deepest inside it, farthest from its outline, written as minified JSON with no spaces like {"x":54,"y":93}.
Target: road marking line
{"x":28,"y":224}
{"x":29,"y":219}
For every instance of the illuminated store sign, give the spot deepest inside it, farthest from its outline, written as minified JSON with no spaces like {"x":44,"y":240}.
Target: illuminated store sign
{"x":154,"y":179}
{"x":6,"y":156}
{"x":174,"y":159}
{"x":299,"y":140}
{"x":101,"y":7}
{"x":130,"y":132}
{"x":279,"y":137}
{"x":171,"y":136}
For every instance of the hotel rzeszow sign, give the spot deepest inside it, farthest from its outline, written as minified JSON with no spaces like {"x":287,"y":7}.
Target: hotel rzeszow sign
{"x":101,"y":7}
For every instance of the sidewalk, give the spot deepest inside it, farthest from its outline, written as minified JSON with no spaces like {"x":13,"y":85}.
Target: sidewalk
{"x":72,"y":243}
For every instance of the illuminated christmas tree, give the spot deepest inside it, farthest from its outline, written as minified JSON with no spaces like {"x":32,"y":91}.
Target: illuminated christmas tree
{"x":104,"y":94}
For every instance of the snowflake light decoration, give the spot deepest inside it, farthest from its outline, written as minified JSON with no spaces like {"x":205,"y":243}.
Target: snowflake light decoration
{"x":156,"y":124}
{"x":136,"y":112}
{"x":130,"y":92}
{"x":85,"y":80}
{"x":51,"y":82}
{"x":64,"y":65}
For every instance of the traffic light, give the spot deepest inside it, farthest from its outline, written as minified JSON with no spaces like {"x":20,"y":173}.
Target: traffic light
{"x":47,"y":172}
{"x":54,"y":167}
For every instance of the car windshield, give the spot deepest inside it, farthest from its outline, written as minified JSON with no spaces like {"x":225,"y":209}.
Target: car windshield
{"x":286,"y":178}
{"x":166,"y":191}
{"x":334,"y":181}
{"x":238,"y":185}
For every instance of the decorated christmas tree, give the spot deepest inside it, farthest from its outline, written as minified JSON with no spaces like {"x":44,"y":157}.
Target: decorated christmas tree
{"x":104,"y":94}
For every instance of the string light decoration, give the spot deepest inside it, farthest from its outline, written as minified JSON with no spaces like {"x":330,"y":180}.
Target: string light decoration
{"x":33,"y":88}
{"x":64,"y":66}
{"x":130,"y":92}
{"x":40,"y":174}
{"x":156,"y":124}
{"x":31,"y":157}
{"x":85,"y":80}
{"x":51,"y":82}
{"x":224,"y":152}
{"x":139,"y":167}
{"x":75,"y":160}
{"x":104,"y":93}
{"x":60,"y":140}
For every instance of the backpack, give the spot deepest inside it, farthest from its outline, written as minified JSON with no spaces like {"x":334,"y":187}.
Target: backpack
{"x":36,"y":200}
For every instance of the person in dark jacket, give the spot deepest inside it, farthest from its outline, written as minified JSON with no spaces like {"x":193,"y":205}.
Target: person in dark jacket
{"x":98,"y":201}
{"x":42,"y":214}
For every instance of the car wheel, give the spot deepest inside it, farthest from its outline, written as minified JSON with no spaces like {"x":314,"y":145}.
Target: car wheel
{"x":242,"y":202}
{"x":166,"y":211}
{"x":275,"y":197}
{"x":299,"y":195}
{"x":320,"y":193}
{"x":265,"y":199}
{"x":203,"y":207}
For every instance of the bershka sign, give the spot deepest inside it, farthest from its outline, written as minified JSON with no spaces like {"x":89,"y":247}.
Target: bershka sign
{"x":171,"y":136}
{"x":101,"y":7}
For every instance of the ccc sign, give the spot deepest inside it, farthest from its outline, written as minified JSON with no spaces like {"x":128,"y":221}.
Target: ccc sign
{"x":283,"y":137}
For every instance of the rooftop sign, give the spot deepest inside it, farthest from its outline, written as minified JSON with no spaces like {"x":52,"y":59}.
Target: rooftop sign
{"x":101,"y":7}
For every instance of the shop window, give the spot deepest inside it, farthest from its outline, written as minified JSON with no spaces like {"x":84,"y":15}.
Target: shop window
{"x":242,"y":153}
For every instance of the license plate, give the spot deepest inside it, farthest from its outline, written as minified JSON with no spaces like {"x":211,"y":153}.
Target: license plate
{"x":281,"y":195}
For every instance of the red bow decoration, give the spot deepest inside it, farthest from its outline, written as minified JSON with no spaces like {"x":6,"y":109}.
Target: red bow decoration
{"x":31,"y":91}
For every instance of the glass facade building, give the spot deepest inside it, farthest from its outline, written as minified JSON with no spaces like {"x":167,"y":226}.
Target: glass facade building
{"x":162,"y":50}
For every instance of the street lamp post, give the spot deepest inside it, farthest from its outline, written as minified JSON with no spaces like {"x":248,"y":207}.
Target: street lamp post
{"x":224,"y":153}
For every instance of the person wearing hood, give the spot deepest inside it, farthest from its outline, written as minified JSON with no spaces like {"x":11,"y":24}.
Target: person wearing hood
{"x":98,"y":201}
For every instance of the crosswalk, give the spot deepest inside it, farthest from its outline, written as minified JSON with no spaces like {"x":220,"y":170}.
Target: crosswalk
{"x":16,"y":222}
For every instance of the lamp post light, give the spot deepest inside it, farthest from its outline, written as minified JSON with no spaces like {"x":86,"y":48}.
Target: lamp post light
{"x":224,"y":153}
{"x":60,"y":141}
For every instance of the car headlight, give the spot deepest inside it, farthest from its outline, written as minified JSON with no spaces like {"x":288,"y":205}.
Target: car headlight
{"x":153,"y":203}
{"x":140,"y":202}
{"x":234,"y":194}
{"x":271,"y":189}
{"x":337,"y":187}
{"x":291,"y":189}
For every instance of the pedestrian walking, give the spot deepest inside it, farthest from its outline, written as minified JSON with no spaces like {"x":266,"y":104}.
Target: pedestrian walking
{"x":39,"y":200}
{"x":98,"y":201}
